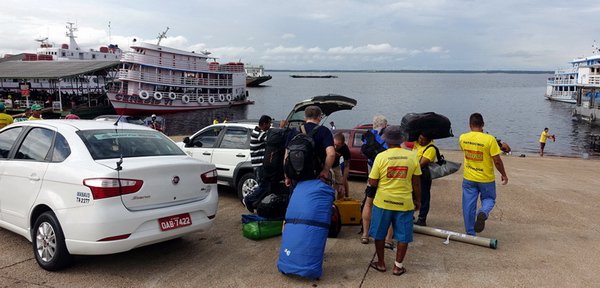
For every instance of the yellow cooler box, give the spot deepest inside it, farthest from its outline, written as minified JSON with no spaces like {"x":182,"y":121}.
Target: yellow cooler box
{"x":349,"y":210}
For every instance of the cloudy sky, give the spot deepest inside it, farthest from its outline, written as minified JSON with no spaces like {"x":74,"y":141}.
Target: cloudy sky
{"x":326,"y":34}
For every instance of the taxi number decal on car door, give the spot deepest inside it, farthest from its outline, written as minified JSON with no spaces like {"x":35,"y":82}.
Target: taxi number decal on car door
{"x":83,"y":197}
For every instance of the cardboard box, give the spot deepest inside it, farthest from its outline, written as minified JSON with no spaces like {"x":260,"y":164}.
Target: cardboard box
{"x":349,"y":210}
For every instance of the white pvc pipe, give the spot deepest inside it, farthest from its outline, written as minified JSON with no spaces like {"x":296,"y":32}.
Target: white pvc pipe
{"x":445,"y":234}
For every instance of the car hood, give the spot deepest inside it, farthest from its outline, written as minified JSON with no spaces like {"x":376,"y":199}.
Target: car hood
{"x":328,"y":103}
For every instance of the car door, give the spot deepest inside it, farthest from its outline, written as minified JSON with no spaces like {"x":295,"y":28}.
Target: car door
{"x":8,"y":139}
{"x":202,"y":144}
{"x":23,"y":175}
{"x":233,"y":149}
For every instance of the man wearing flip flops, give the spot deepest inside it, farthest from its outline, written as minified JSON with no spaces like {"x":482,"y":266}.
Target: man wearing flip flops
{"x":396,"y":177}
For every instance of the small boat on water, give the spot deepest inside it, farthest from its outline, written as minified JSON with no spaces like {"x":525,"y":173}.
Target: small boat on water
{"x":255,"y":75}
{"x":312,"y":76}
{"x":158,"y":79}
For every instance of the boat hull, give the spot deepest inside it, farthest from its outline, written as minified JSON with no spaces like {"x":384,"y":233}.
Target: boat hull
{"x":135,"y":106}
{"x":252,"y":81}
{"x":562,"y":99}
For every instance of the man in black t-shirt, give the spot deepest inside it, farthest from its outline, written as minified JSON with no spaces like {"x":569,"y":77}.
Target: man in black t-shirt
{"x":341,"y":165}
{"x":323,"y":138}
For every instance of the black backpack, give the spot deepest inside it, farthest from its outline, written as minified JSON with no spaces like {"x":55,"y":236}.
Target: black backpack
{"x":301,"y":162}
{"x":371,"y":147}
{"x":274,"y":153}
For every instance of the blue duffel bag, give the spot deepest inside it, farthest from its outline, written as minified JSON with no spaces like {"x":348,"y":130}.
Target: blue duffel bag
{"x":305,"y":231}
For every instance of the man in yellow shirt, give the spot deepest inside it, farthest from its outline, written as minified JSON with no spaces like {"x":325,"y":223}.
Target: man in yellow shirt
{"x":5,"y":119}
{"x":36,"y":112}
{"x":543,"y":138}
{"x":482,"y":153}
{"x":395,"y":176}
{"x":425,"y":154}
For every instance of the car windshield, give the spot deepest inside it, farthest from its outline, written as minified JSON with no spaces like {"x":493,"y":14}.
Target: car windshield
{"x":110,"y":143}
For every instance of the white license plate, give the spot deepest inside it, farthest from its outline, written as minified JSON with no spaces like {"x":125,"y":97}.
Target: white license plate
{"x":175,"y":221}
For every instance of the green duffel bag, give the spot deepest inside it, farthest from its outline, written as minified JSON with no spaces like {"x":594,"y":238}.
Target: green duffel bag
{"x":258,"y":230}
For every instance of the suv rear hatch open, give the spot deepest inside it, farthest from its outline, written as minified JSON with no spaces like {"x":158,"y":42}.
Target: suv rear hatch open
{"x":328,"y":103}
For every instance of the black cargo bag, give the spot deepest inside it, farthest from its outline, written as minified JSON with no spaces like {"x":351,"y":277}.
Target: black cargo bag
{"x":274,"y":153}
{"x":433,"y":125}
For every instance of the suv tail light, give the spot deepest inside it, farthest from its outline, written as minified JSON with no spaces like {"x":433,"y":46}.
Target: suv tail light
{"x":209,"y":177}
{"x":110,"y":187}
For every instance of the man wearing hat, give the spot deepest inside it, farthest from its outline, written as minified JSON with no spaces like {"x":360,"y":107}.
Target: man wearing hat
{"x":36,"y":112}
{"x":5,"y":119}
{"x":396,"y":178}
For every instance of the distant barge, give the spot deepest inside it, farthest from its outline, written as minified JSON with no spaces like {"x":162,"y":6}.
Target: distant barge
{"x":313,"y":76}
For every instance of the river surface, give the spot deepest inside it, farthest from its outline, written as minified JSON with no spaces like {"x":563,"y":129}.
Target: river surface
{"x":513,"y":105}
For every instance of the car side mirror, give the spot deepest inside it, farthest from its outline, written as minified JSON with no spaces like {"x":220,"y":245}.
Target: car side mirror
{"x":186,"y":140}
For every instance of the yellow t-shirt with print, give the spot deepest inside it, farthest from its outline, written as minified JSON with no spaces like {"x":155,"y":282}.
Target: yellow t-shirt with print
{"x":479,"y":148}
{"x":429,"y":154}
{"x":394,"y":168}
{"x":5,"y":120}
{"x":544,"y":137}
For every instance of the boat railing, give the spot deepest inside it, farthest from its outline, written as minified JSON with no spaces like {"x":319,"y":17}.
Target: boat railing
{"x":594,"y":79}
{"x":562,"y":82}
{"x":572,"y":70}
{"x":167,"y":63}
{"x":171,"y":80}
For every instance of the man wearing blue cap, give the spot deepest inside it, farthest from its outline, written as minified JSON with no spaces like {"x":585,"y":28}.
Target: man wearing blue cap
{"x":5,"y":119}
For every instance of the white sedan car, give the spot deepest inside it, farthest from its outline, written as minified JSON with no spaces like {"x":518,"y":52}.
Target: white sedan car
{"x":88,"y":188}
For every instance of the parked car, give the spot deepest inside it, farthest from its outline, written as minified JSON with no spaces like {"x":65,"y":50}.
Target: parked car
{"x":120,"y":118}
{"x":227,"y":145}
{"x":358,"y":162}
{"x":89,"y":187}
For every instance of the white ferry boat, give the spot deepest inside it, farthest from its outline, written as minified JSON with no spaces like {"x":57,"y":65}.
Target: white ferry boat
{"x":159,"y":79}
{"x":562,"y":87}
{"x":588,"y":97}
{"x":72,"y":51}
{"x":255,"y":75}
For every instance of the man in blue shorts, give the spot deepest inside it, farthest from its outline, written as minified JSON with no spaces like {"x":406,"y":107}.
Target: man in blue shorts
{"x":396,"y":178}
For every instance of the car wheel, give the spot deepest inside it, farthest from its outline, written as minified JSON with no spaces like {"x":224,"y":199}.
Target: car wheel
{"x":246,"y":184}
{"x":49,"y":243}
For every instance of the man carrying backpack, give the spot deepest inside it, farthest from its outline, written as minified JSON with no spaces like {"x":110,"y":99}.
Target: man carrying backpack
{"x":305,"y":160}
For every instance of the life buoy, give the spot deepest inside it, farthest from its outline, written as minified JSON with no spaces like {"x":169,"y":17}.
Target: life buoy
{"x":172,"y":95}
{"x":221,"y":97}
{"x":211,"y":99}
{"x":144,"y":95}
{"x":185,"y":99}
{"x":200,"y":99}
{"x":157,"y":95}
{"x":228,"y":97}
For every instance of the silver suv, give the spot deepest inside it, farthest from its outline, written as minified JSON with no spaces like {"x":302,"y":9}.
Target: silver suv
{"x":227,"y":145}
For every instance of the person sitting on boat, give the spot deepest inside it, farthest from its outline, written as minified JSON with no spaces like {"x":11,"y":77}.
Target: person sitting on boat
{"x":154,"y":124}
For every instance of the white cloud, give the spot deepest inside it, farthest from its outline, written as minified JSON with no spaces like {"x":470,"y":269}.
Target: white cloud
{"x":288,"y":36}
